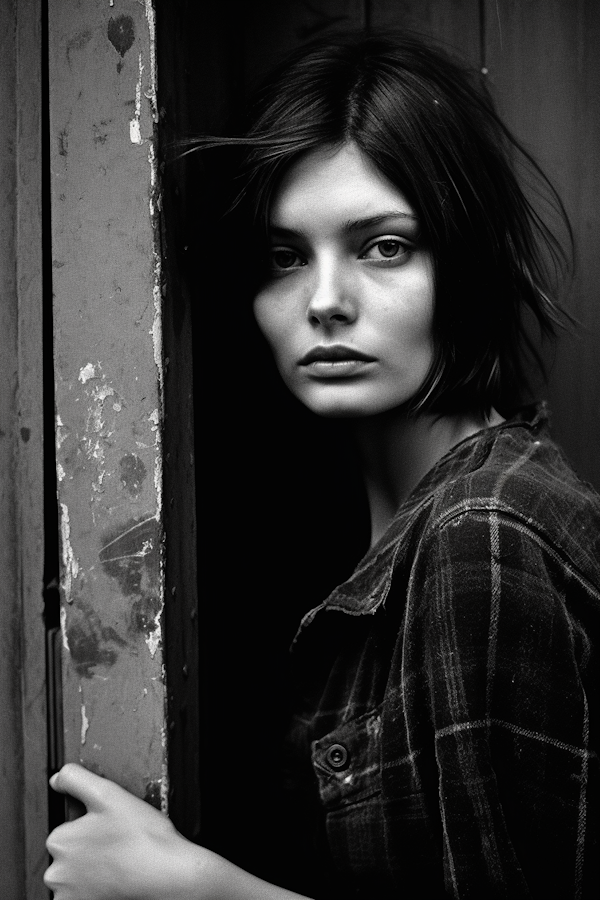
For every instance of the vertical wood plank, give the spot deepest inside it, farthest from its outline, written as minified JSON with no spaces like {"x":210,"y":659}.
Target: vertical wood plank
{"x":453,"y":25}
{"x":271,"y":30}
{"x":544,"y":70}
{"x":108,"y":363}
{"x":11,"y":747}
{"x":30,"y":478}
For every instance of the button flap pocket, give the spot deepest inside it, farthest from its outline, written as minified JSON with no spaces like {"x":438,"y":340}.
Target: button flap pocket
{"x":347,"y":761}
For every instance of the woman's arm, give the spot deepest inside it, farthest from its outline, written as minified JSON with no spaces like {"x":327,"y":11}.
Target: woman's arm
{"x":124,"y":849}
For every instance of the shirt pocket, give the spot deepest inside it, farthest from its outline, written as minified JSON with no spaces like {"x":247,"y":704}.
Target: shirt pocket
{"x":347,"y":761}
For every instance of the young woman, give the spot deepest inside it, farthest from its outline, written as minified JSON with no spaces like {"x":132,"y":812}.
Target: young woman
{"x":446,"y":728}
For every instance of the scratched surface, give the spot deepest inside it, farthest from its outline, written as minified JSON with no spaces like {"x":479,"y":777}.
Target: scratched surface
{"x":108,"y":369}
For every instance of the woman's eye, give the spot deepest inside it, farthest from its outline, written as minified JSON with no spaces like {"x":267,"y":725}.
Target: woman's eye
{"x":386,"y":249}
{"x":285,"y":259}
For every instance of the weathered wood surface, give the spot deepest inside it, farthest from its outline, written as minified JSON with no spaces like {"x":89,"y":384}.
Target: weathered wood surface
{"x":11,"y":772}
{"x":23,"y":774}
{"x":544,"y":70}
{"x":108,"y":365}
{"x":30,"y":424}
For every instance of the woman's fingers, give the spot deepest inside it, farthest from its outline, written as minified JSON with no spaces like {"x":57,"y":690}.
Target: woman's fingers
{"x":123,"y":849}
{"x":92,"y":790}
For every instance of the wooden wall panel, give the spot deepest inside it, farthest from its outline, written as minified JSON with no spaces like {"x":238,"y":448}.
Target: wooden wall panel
{"x":11,"y":747}
{"x":23,"y":770}
{"x":454,"y":24}
{"x":271,"y":29}
{"x":544,"y":70}
{"x":30,"y":454}
{"x":108,"y":365}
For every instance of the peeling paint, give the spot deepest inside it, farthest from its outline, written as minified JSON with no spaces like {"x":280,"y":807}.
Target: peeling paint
{"x":87,"y":372}
{"x":154,"y":638}
{"x":135,"y":134}
{"x":152,"y":93}
{"x":164,"y":794}
{"x":111,"y":483}
{"x":63,"y":629}
{"x":96,"y":434}
{"x":158,"y":481}
{"x":156,"y":330}
{"x":85,"y":724}
{"x":60,"y":437}
{"x":70,"y":564}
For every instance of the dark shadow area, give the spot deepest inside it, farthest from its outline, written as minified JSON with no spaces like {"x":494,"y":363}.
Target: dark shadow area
{"x":269,"y":497}
{"x":56,"y":802}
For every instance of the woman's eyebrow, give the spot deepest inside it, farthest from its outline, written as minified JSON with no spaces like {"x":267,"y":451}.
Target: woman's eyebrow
{"x":352,"y":225}
{"x":372,"y":221}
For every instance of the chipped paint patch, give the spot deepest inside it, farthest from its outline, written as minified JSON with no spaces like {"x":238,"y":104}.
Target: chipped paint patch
{"x":96,"y":433}
{"x":70,"y":564}
{"x":164,"y":782}
{"x":85,"y":724}
{"x":152,"y":93}
{"x":154,"y":638}
{"x":156,"y":330}
{"x":60,"y":472}
{"x":135,"y":132}
{"x":60,"y":437}
{"x":158,"y":482}
{"x":63,"y":629}
{"x":87,"y":372}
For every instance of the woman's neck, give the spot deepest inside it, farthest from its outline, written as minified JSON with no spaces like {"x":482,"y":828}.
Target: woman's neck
{"x":397,"y":451}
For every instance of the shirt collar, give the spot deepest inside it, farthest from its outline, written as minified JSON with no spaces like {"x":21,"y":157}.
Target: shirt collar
{"x":367,"y":588}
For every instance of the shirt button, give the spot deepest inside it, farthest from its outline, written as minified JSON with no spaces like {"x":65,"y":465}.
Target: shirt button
{"x":337,"y":756}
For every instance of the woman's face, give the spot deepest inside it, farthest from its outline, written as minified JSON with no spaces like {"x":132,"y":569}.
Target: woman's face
{"x":347,"y":306}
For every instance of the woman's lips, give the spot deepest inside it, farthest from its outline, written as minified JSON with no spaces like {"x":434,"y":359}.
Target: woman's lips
{"x":335,"y":361}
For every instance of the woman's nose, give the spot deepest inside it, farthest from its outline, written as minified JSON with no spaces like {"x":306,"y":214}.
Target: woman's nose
{"x":332,"y":300}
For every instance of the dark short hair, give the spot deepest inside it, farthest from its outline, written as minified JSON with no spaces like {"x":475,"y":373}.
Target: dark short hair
{"x":429,"y":126}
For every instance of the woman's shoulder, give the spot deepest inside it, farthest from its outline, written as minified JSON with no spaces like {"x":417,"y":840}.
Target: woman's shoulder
{"x":518,"y":479}
{"x":516,"y":468}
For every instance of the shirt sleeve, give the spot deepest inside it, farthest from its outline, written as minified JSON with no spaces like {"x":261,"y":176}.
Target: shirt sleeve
{"x":494,"y":627}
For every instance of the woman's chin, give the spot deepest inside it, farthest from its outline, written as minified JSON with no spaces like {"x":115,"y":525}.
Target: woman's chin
{"x":346,"y":409}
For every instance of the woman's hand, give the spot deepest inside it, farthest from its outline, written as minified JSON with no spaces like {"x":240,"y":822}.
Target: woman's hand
{"x":123,"y":848}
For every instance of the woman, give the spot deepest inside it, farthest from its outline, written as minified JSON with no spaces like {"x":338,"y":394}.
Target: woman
{"x":444,"y":742}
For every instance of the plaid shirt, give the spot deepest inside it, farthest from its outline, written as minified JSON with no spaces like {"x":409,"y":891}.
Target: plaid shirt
{"x":448,"y":727}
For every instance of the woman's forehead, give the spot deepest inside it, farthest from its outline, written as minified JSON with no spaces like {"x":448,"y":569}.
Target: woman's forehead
{"x":335,"y":183}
